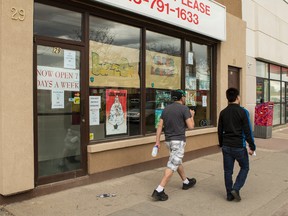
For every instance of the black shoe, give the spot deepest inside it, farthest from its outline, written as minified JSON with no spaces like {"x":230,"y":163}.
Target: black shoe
{"x":236,"y":195}
{"x":230,"y":197}
{"x":159,"y":196}
{"x":191,"y":183}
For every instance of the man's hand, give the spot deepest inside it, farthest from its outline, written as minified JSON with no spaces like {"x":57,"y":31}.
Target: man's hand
{"x":192,"y":113}
{"x":250,"y":152}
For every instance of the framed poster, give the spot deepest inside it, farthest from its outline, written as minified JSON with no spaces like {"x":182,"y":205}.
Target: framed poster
{"x":116,"y":111}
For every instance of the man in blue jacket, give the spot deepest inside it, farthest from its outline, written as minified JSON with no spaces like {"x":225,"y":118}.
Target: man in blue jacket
{"x":234,"y":130}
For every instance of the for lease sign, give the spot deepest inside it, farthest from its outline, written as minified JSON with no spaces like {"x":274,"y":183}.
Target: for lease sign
{"x":206,"y":17}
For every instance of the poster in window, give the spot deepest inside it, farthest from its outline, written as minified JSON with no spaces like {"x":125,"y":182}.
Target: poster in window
{"x":57,"y":99}
{"x":191,"y":98}
{"x":190,"y":58}
{"x":70,"y":59}
{"x":163,"y":98}
{"x":158,"y":113}
{"x":116,"y":116}
{"x":191,"y":83}
{"x":94,"y":110}
{"x":204,"y":85}
{"x":111,"y":65}
{"x":162,"y":70}
{"x":49,"y":78}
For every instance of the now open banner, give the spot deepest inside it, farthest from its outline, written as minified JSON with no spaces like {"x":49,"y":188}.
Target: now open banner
{"x":51,"y":78}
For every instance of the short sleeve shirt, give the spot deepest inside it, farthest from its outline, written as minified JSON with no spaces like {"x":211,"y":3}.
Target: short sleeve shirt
{"x":174,"y":117}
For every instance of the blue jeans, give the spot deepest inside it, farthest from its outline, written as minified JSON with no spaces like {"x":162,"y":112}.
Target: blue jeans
{"x":231,"y":154}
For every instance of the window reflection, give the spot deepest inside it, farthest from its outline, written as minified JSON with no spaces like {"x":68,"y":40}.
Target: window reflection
{"x":262,"y":69}
{"x":163,"y":73}
{"x":275,"y":72}
{"x":275,"y":90}
{"x":197,"y":81}
{"x":285,"y":74}
{"x":114,"y":56}
{"x":56,"y":22}
{"x":58,"y":112}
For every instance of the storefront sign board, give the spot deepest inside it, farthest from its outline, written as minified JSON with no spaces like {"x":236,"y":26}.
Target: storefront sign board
{"x":205,"y":17}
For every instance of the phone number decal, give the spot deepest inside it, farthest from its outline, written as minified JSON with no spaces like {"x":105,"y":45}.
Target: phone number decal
{"x":187,"y":11}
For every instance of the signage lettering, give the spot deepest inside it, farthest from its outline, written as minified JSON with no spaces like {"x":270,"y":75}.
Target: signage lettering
{"x":49,"y":78}
{"x":202,"y":16}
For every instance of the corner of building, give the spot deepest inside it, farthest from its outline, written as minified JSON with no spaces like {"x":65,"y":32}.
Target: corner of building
{"x":16,"y":116}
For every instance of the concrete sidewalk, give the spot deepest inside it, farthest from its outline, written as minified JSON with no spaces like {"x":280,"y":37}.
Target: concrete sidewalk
{"x":265,"y":192}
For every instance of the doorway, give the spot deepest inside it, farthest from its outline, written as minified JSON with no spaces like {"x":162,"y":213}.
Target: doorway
{"x":59,"y":113}
{"x":234,"y":78}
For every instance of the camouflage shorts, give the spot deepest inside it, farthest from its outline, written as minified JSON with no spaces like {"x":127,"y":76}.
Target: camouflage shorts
{"x":176,"y":149}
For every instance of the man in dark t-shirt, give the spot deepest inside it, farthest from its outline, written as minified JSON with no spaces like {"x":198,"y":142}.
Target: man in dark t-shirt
{"x":175,"y":118}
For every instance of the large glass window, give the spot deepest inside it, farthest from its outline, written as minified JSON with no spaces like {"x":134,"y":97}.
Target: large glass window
{"x":198,"y":81}
{"x":285,"y":74}
{"x":273,"y":89}
{"x":275,"y":72}
{"x":114,"y":80}
{"x":275,"y":96}
{"x":283,"y":117}
{"x":163,"y":73}
{"x":56,"y":22}
{"x":262,"y":90}
{"x":261,"y":69}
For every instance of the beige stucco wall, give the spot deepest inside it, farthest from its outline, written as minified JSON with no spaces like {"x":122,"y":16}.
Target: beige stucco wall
{"x":267,"y":30}
{"x":251,"y":87}
{"x":113,"y":155}
{"x":16,"y":96}
{"x":232,"y":7}
{"x":231,"y":52}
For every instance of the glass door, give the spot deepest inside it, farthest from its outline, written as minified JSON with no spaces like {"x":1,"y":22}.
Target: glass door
{"x":59,"y":116}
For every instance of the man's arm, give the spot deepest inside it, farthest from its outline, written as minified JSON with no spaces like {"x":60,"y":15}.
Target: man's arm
{"x":248,"y":132}
{"x":190,"y":121}
{"x":159,"y":132}
{"x":220,"y":131}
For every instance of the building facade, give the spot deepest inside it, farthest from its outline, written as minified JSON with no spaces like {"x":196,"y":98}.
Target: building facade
{"x":266,"y":48}
{"x":83,"y":84}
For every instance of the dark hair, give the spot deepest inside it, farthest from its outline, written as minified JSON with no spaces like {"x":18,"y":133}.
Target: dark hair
{"x":232,"y":94}
{"x":176,"y":95}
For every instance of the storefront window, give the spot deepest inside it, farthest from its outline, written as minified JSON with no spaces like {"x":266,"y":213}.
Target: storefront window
{"x":285,"y":74}
{"x":262,"y":90}
{"x":275,"y":90}
{"x":56,"y":22}
{"x":276,"y":114}
{"x":198,"y":80}
{"x":261,"y":69}
{"x":163,"y":74}
{"x":275,"y":93}
{"x":275,"y":72}
{"x":272,"y":89}
{"x":114,"y":81}
{"x":283,"y":114}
